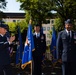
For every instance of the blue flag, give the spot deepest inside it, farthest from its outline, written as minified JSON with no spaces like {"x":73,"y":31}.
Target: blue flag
{"x":18,"y":55}
{"x":41,"y":30}
{"x":28,"y":48}
{"x":19,"y":47}
{"x":53,"y":45}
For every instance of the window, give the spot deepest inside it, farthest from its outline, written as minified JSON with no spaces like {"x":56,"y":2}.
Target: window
{"x":48,"y":42}
{"x":48,"y":28}
{"x":47,"y":21}
{"x":14,"y":20}
{"x":44,"y":28}
{"x":18,"y":20}
{"x":52,"y":21}
{"x":48,"y":35}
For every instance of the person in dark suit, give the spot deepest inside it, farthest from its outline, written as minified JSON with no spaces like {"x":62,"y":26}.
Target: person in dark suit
{"x":4,"y":50}
{"x":66,"y":49}
{"x":40,"y":48}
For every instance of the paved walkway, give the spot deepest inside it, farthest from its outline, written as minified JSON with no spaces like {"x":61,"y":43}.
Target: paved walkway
{"x":47,"y":69}
{"x":50,"y":70}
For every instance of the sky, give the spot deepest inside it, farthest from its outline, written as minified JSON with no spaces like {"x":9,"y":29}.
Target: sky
{"x":13,"y":6}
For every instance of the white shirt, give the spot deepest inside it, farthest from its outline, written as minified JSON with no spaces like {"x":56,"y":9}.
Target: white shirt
{"x":68,"y":32}
{"x":37,"y":34}
{"x":7,"y":39}
{"x":1,"y":35}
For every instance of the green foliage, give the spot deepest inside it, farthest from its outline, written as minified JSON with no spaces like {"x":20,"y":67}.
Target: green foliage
{"x":74,"y":25}
{"x":27,"y":17}
{"x":3,"y":4}
{"x":65,"y":8}
{"x":2,"y":0}
{"x":58,"y":24}
{"x":1,"y":15}
{"x":13,"y":26}
{"x":50,"y":32}
{"x":38,"y":9}
{"x":23,"y":25}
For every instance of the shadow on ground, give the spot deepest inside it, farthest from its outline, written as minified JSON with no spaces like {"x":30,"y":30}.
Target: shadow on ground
{"x":47,"y":69}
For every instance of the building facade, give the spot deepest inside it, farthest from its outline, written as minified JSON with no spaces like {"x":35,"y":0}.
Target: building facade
{"x":46,"y":29}
{"x":13,"y":16}
{"x":18,"y":16}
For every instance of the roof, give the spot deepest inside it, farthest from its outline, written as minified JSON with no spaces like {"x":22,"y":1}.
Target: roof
{"x":14,"y":14}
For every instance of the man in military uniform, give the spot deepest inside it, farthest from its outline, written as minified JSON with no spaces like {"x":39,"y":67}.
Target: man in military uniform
{"x":66,"y":49}
{"x":4,"y":50}
{"x":40,"y":48}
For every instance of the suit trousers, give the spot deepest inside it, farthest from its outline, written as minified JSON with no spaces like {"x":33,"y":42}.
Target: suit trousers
{"x":7,"y":69}
{"x":37,"y":65}
{"x":69,"y":68}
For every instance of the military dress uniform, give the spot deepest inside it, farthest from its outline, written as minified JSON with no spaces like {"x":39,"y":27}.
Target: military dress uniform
{"x":4,"y":55}
{"x":40,"y":48}
{"x":66,"y":50}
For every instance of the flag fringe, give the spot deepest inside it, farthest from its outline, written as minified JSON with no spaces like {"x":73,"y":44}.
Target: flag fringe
{"x":24,"y":65}
{"x":33,"y":49}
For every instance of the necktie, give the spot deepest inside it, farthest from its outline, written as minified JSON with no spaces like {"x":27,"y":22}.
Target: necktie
{"x":69,"y":35}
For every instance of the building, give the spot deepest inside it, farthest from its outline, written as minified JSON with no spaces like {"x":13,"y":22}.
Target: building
{"x":17,"y":16}
{"x":13,"y":16}
{"x":46,"y":29}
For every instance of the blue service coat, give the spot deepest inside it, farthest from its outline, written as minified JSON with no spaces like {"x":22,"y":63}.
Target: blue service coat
{"x":66,"y":49}
{"x":4,"y":51}
{"x":40,"y":45}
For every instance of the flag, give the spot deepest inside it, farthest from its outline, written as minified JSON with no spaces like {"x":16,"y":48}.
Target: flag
{"x":43,"y":54}
{"x":18,"y":55}
{"x":28,"y":48}
{"x":19,"y":47}
{"x":53,"y":45}
{"x":41,"y":30}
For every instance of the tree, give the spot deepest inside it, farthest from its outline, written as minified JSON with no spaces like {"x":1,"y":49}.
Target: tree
{"x":3,"y":4}
{"x":39,"y":10}
{"x":2,"y":0}
{"x":58,"y":24}
{"x":65,"y":9}
{"x":13,"y":26}
{"x":23,"y":25}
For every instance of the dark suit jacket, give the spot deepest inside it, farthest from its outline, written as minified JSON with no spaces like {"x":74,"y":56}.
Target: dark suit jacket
{"x":4,"y":52}
{"x":40,"y":45}
{"x":66,"y":49}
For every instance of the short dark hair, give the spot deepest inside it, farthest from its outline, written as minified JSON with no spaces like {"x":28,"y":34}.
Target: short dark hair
{"x":5,"y":26}
{"x":37,"y":25}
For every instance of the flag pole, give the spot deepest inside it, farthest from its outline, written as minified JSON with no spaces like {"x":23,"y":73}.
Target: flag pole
{"x":31,"y":68}
{"x":30,"y":22}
